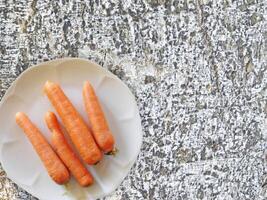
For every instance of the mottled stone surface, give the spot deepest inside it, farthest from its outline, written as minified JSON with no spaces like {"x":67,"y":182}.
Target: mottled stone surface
{"x":197,"y":69}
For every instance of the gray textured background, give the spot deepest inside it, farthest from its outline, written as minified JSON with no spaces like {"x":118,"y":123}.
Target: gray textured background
{"x":197,"y":69}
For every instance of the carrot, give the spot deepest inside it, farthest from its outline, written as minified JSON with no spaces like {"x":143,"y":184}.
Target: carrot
{"x":74,"y":124}
{"x":54,"y":166}
{"x":65,"y":152}
{"x":101,"y":131}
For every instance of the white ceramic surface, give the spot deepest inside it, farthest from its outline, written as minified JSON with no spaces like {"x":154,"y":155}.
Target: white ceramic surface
{"x":19,"y":159}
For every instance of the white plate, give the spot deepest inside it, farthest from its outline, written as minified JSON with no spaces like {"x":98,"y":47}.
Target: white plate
{"x":19,"y":159}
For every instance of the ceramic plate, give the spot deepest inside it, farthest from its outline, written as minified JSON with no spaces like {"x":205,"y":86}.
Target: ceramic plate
{"x":19,"y":159}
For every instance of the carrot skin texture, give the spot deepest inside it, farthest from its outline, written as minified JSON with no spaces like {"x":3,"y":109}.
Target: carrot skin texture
{"x":65,"y":152}
{"x":101,"y":131}
{"x":74,"y":124}
{"x":54,"y":166}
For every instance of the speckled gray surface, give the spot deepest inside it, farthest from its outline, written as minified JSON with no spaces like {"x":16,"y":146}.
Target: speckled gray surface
{"x":197,"y":69}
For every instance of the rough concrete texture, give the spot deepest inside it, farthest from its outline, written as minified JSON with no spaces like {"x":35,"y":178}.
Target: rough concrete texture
{"x":197,"y":69}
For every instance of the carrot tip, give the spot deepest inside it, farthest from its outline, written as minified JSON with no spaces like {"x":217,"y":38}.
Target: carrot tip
{"x":97,"y":162}
{"x":48,"y":114}
{"x":51,"y":120}
{"x":87,"y":85}
{"x":48,"y":84}
{"x":113,"y":152}
{"x":86,"y":82}
{"x":18,"y":114}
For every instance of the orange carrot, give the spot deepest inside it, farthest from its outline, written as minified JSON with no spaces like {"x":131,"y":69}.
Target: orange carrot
{"x":54,"y":166}
{"x":101,"y":131}
{"x":74,"y":124}
{"x":65,"y":152}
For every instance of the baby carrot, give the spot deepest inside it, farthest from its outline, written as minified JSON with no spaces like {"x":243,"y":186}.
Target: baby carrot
{"x":54,"y":166}
{"x":101,"y":132}
{"x":65,"y":152}
{"x":74,"y":124}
